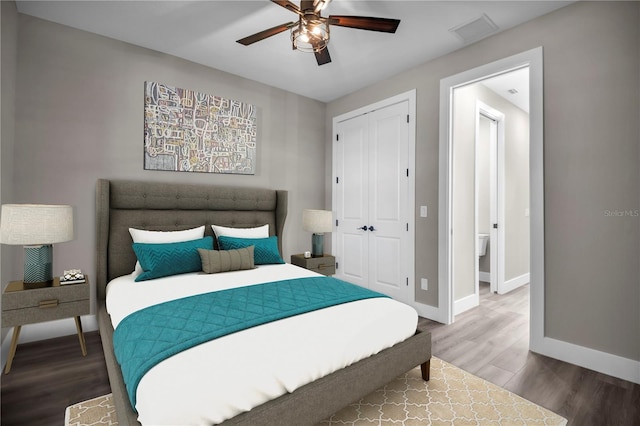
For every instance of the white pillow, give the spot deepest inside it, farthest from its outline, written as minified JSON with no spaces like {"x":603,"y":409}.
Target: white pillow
{"x":159,"y":237}
{"x":257,"y":232}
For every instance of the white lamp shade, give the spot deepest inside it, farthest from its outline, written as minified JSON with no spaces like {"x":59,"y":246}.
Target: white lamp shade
{"x":317,"y":221}
{"x":35,"y":224}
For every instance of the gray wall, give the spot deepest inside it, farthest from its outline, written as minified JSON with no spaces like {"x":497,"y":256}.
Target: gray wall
{"x":79,"y":117}
{"x":591,"y":142}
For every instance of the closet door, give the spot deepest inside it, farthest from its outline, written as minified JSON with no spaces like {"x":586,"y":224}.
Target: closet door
{"x":388,"y":185}
{"x":352,"y":201}
{"x":371,"y":198}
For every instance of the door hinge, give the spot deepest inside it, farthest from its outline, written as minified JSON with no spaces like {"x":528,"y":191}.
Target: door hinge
{"x":407,"y":172}
{"x":495,"y":225}
{"x":407,"y":226}
{"x":336,"y":265}
{"x":407,"y":118}
{"x":337,"y":137}
{"x":407,"y":281}
{"x":337,"y":179}
{"x":336,"y":223}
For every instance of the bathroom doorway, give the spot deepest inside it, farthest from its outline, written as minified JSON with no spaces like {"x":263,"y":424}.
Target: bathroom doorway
{"x":509,"y":222}
{"x":490,"y":135}
{"x":450,"y":299}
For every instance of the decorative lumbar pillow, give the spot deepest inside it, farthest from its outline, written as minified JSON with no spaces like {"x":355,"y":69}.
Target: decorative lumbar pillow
{"x":159,"y":237}
{"x":265,"y":251}
{"x":214,"y":261}
{"x":165,"y":259}
{"x":257,"y":232}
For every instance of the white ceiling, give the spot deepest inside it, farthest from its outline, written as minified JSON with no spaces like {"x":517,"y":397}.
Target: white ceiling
{"x":506,"y":84}
{"x":205,"y":32}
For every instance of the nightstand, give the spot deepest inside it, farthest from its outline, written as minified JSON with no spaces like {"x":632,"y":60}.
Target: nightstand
{"x":25,"y":305}
{"x":326,"y":264}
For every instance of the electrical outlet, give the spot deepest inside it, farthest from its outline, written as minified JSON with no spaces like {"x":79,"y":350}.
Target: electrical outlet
{"x":423,"y":211}
{"x":424,"y":284}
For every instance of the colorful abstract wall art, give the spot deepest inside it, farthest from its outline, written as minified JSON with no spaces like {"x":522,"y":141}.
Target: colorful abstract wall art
{"x":189,"y":131}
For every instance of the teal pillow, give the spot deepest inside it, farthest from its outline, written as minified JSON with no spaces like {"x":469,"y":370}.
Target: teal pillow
{"x":265,"y":250}
{"x":163,"y":260}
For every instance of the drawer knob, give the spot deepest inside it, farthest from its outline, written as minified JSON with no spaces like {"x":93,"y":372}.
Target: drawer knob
{"x":43,"y":304}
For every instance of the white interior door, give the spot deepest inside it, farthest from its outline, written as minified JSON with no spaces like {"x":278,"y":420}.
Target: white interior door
{"x":351,"y":170}
{"x":371,"y":190}
{"x":388,"y":184}
{"x":496,"y":203}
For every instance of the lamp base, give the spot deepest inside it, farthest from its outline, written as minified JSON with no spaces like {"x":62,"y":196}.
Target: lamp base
{"x":317,"y":245}
{"x":37,"y":264}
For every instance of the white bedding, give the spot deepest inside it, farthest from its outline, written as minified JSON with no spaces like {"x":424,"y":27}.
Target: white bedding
{"x":220,"y":379}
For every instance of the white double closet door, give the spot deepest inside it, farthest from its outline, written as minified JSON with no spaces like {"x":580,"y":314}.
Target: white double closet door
{"x":371,"y":157}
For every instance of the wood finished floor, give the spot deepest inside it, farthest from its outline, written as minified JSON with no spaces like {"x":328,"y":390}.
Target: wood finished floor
{"x":490,"y":341}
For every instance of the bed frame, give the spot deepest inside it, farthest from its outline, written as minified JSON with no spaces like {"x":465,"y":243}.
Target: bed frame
{"x":168,"y":207}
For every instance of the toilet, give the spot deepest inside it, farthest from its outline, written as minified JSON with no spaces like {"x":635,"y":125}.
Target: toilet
{"x":483,"y":239}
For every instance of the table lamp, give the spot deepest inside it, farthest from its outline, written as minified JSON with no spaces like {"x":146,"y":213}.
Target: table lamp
{"x":318,"y":222}
{"x":36,"y":227}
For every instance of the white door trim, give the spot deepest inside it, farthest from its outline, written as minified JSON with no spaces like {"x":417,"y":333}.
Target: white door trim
{"x":533,"y":59}
{"x":410,"y":97}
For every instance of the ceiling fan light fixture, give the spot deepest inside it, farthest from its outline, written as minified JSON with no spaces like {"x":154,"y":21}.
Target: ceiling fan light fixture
{"x":320,"y":4}
{"x":310,"y":35}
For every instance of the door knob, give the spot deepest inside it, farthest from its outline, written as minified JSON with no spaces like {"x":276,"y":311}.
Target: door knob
{"x":364,"y":228}
{"x":371,"y":228}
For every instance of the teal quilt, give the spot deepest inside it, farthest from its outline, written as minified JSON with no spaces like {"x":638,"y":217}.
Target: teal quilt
{"x":151,"y":335}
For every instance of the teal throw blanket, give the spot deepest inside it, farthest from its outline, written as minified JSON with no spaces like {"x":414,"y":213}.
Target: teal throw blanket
{"x":151,"y":335}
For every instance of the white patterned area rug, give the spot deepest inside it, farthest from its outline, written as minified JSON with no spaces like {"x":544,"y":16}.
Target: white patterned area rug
{"x":451,"y":397}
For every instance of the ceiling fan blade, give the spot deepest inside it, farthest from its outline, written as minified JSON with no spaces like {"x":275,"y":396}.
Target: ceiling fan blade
{"x":288,"y":5}
{"x":365,"y":23}
{"x":266,"y":33}
{"x":323,"y":57}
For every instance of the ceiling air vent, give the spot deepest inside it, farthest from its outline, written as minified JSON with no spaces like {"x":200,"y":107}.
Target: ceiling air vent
{"x":475,"y":30}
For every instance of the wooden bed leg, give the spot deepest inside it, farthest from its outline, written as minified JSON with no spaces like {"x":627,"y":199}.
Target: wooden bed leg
{"x":425,"y":368}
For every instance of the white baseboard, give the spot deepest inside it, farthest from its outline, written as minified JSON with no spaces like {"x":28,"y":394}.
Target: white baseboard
{"x":466,"y":303}
{"x":516,"y":282}
{"x":47,"y":330}
{"x":602,"y":362}
{"x":484,"y":276}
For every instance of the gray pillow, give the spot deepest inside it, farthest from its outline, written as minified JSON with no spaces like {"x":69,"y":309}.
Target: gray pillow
{"x":214,"y":261}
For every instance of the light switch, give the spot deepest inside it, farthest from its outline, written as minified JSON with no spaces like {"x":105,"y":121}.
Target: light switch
{"x":424,"y":284}
{"x":423,"y":211}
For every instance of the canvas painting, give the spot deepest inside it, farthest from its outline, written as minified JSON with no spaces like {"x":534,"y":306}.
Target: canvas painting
{"x":189,"y":131}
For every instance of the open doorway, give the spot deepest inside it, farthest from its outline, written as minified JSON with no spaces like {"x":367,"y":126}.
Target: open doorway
{"x":490,"y":140}
{"x":448,"y":180}
{"x":509,"y":214}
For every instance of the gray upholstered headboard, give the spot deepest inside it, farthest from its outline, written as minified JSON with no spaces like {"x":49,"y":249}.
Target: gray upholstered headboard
{"x":124,"y":204}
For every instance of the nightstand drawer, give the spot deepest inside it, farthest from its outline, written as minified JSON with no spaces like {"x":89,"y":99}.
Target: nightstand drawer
{"x":325,"y":269}
{"x":32,"y":298}
{"x":49,"y":310}
{"x":325,"y":265}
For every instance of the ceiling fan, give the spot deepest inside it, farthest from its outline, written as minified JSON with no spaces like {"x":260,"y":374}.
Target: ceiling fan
{"x":310,"y":33}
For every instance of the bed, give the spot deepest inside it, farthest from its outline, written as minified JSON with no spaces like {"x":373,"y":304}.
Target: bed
{"x":121,"y":205}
